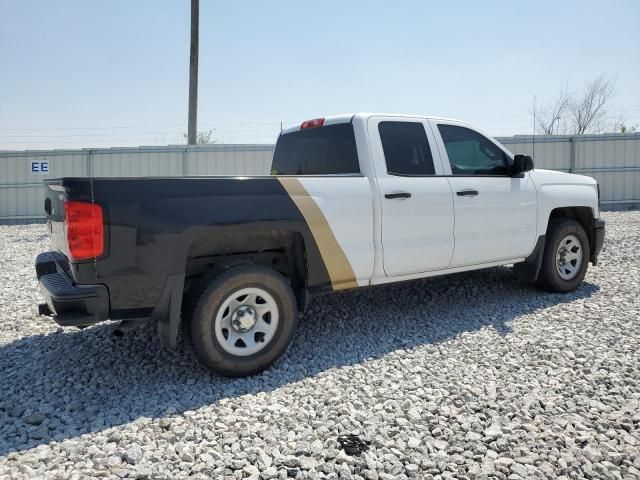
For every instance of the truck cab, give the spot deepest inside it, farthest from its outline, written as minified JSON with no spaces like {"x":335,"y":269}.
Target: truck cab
{"x":427,"y":195}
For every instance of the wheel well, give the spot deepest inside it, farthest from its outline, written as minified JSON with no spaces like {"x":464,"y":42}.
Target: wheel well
{"x":582,"y":215}
{"x":282,"y":250}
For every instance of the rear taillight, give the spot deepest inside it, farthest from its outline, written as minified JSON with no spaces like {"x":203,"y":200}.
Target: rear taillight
{"x":84,"y":228}
{"x":316,"y":122}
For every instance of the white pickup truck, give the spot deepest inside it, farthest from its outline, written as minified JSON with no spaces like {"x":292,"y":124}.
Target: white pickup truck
{"x":353,"y":201}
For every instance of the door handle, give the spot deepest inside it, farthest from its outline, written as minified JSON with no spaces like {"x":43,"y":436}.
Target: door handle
{"x":397,"y":195}
{"x":467,"y":193}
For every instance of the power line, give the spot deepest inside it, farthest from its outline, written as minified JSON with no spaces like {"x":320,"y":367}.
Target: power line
{"x":135,"y":134}
{"x":177,"y":125}
{"x":276,"y":123}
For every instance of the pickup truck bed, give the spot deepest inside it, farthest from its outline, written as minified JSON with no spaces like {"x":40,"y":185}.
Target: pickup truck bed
{"x":160,"y":229}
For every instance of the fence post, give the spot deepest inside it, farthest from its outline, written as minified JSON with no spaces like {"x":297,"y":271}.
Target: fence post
{"x":89,"y":163}
{"x":184,"y":162}
{"x":572,"y":166}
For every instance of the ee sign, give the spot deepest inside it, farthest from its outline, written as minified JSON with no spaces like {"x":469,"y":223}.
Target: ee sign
{"x":41,"y":167}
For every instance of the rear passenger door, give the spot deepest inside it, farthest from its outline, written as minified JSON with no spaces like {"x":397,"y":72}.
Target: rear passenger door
{"x":416,"y":204}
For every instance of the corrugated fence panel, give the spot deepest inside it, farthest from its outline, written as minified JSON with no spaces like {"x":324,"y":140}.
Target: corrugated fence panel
{"x":615,"y":162}
{"x":21,"y":176}
{"x":229,"y":160}
{"x":620,"y":187}
{"x":17,"y":168}
{"x":21,"y":203}
{"x":552,"y":154}
{"x":150,"y":162}
{"x":612,"y":159}
{"x":592,"y":152}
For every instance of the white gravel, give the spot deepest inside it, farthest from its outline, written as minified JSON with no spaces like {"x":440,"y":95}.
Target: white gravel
{"x":469,"y":376}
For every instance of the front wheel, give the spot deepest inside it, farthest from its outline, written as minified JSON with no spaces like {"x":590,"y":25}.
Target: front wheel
{"x":243,"y":321}
{"x":566,"y":257}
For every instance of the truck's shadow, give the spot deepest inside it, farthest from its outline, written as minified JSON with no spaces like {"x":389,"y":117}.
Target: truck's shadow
{"x":87,"y":381}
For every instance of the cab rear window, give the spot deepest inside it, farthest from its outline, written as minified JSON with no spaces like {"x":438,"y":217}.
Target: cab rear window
{"x":327,"y":150}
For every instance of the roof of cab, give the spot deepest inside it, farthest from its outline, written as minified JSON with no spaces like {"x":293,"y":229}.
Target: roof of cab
{"x":348,"y":117}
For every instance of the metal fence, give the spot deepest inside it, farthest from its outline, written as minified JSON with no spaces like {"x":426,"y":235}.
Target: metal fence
{"x":21,"y":173}
{"x":613,"y":160}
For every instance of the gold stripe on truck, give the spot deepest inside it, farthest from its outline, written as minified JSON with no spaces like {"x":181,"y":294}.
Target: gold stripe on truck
{"x":334,"y":258}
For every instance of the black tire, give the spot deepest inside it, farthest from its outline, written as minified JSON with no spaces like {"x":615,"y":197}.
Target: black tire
{"x":199,"y":330}
{"x":549,"y":278}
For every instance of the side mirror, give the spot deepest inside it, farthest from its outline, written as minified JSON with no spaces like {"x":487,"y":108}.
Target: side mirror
{"x":521,"y":164}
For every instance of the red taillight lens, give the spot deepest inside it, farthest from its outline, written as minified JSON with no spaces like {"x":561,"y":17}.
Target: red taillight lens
{"x":316,"y":122}
{"x":85,"y":231}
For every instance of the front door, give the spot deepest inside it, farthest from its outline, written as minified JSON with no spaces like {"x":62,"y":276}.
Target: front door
{"x":495,"y":214}
{"x":416,"y":204}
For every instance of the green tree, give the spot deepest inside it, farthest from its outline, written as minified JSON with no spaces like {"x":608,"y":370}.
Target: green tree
{"x":628,"y":129}
{"x":203,"y":137}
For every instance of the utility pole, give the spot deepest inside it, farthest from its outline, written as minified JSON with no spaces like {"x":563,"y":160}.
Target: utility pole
{"x":193,"y":73}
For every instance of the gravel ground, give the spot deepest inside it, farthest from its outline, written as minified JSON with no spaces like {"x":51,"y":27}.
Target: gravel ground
{"x":468,"y":376}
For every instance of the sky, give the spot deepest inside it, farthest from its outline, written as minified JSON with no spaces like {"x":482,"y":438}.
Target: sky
{"x":82,"y":74}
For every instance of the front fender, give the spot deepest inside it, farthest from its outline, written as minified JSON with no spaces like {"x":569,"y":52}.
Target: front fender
{"x":561,"y":190}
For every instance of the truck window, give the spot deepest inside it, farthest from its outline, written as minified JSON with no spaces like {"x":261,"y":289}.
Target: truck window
{"x":471,"y":153}
{"x":326,"y":150}
{"x":406,"y":148}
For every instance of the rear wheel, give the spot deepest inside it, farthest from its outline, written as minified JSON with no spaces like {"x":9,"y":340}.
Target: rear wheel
{"x":243,"y":321}
{"x":566,"y":257}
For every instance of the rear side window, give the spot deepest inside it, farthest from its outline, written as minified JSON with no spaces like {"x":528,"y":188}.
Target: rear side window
{"x":317,"y":151}
{"x":406,"y":148}
{"x":471,"y":153}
